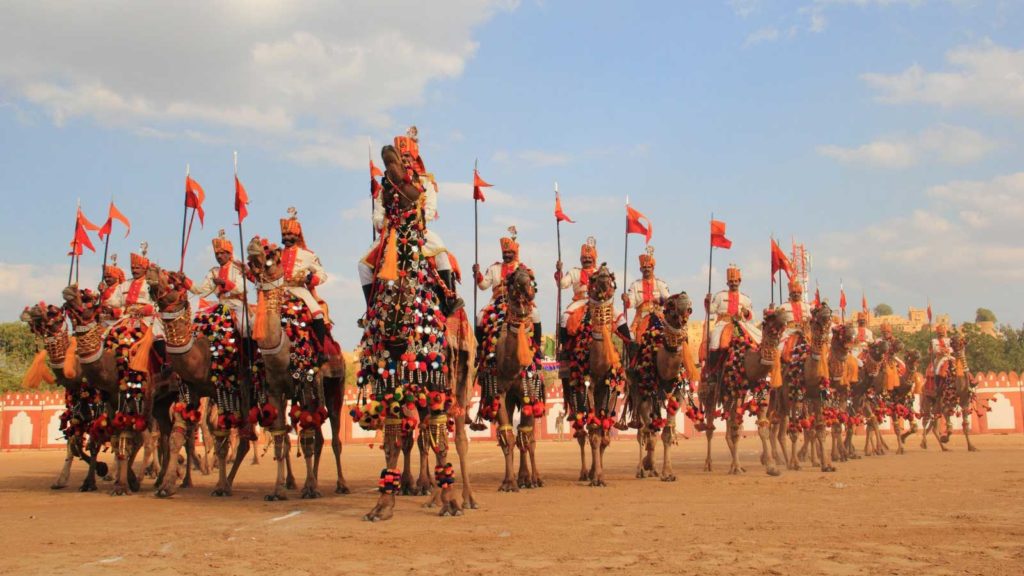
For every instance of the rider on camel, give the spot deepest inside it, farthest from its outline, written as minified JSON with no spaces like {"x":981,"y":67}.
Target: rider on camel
{"x":728,"y":311}
{"x":797,"y":317}
{"x":494,"y":279}
{"x":647,"y":295}
{"x":302,"y":274}
{"x":113,"y":276}
{"x":226,"y":280}
{"x":133,"y":299}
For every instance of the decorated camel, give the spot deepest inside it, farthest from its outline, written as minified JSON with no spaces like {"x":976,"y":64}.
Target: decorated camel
{"x":404,"y":362}
{"x":817,"y":389}
{"x":661,"y":372}
{"x":952,"y":394}
{"x":844,"y":373}
{"x":880,"y":374}
{"x":901,"y":400}
{"x":736,"y":384}
{"x":509,"y":373}
{"x":105,"y":356}
{"x":83,"y":402}
{"x":596,"y":375}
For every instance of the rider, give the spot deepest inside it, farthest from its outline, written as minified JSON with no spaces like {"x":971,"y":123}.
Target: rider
{"x":302,"y":274}
{"x":578,"y":279}
{"x":797,"y":318}
{"x":863,"y":339}
{"x":941,"y":351}
{"x":494,"y":279}
{"x":134,"y":300}
{"x":226,"y":280}
{"x":112,"y":277}
{"x":729,"y":310}
{"x":646,"y":296}
{"x":409,"y":151}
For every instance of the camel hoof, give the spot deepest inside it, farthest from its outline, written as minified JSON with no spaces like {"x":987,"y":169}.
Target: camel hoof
{"x":186,"y":484}
{"x":133,"y":483}
{"x":290,"y":484}
{"x":88,"y":487}
{"x":470,"y":503}
{"x":508,"y":487}
{"x":972,"y":449}
{"x":669,"y":478}
{"x":275,"y":498}
{"x":102,"y":470}
{"x":538,"y":483}
{"x":57,"y":486}
{"x":828,"y":468}
{"x":597,"y":483}
{"x":310,"y":494}
{"x":774,"y":472}
{"x":944,"y":438}
{"x":119,"y":490}
{"x":342,"y":489}
{"x":584,"y":476}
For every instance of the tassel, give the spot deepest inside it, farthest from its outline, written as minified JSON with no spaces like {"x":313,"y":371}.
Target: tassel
{"x":70,"y":357}
{"x":918,"y":383}
{"x":259,"y":330}
{"x":139,"y":352}
{"x":851,"y":373}
{"x":524,"y":348}
{"x":892,"y":377}
{"x":38,"y":372}
{"x":609,"y":348}
{"x":959,"y":368}
{"x":691,"y":367}
{"x":823,"y":371}
{"x":775,"y":378}
{"x":389,"y":269}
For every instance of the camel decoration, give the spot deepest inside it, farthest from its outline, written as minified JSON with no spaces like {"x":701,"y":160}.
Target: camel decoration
{"x":953,"y":394}
{"x":596,"y":375}
{"x":206,"y":356}
{"x":281,"y":329}
{"x":817,"y":389}
{"x":900,"y":407}
{"x":105,"y":357}
{"x":880,"y":374}
{"x":661,"y":372}
{"x":844,"y":373}
{"x":83,"y":402}
{"x":741,"y":371}
{"x":404,"y":363}
{"x":509,"y":373}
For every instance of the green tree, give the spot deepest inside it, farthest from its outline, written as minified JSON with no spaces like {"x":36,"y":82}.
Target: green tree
{"x":17,"y":346}
{"x":984,"y":315}
{"x":883,"y":310}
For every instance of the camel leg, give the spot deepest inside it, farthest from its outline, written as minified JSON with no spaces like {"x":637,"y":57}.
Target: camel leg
{"x":89,"y":484}
{"x":462,"y":447}
{"x":240,"y":453}
{"x":390,"y":477}
{"x":65,"y":471}
{"x":407,"y":482}
{"x":824,"y":434}
{"x":335,"y":417}
{"x":308,"y":445}
{"x":134,"y":447}
{"x":190,"y":454}
{"x":221,"y":441}
{"x":506,"y":439}
{"x":289,"y":481}
{"x":581,"y":438}
{"x":764,"y":431}
{"x":318,"y":450}
{"x":523,"y":479}
{"x":595,"y":455}
{"x":779,"y":430}
{"x":641,"y":443}
{"x":424,"y":487}
{"x":967,"y":431}
{"x":170,"y":471}
{"x":531,"y":443}
{"x":732,"y":437}
{"x":279,"y":432}
{"x":709,"y":434}
{"x":668,"y":438}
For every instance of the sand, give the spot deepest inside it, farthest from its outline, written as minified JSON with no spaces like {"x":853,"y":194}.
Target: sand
{"x":919,"y":513}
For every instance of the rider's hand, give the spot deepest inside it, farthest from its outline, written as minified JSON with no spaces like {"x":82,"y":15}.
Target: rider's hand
{"x":625,"y":300}
{"x":707,"y":302}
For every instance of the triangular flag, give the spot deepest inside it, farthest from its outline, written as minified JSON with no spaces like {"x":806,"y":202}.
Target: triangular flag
{"x":194,"y":197}
{"x":929,"y":312}
{"x":241,"y":200}
{"x":817,"y":297}
{"x":718,"y":238}
{"x":479,"y":183}
{"x":635,"y":226}
{"x":81,"y":239}
{"x":864,"y":302}
{"x":114,"y":214}
{"x":842,"y":298}
{"x":780,"y":261}
{"x":560,"y":216}
{"x":374,"y":171}
{"x":85,"y":223}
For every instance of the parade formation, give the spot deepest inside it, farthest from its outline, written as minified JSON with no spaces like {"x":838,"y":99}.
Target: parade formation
{"x":137,"y":358}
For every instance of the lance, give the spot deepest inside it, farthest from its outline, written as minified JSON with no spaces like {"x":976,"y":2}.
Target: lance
{"x":74,"y":243}
{"x":558,"y":290}
{"x":245,"y":288}
{"x":106,"y":242}
{"x":625,"y":270}
{"x":476,"y":239}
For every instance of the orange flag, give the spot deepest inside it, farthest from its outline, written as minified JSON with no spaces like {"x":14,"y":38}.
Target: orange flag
{"x":479,"y":183}
{"x":241,"y":200}
{"x":637,"y":223}
{"x":81,"y":239}
{"x":559,"y":215}
{"x":84,"y":222}
{"x":780,"y":261}
{"x":114,"y":214}
{"x":718,"y":238}
{"x":375,"y":173}
{"x":194,"y":197}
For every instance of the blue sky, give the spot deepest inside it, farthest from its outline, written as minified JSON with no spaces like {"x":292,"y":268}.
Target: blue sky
{"x":883,"y":134}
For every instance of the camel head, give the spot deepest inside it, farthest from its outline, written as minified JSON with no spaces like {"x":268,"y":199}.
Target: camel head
{"x":82,"y":306}
{"x":677,"y":310}
{"x":958,"y":342}
{"x":33,"y":316}
{"x":522,"y":288}
{"x":912,"y":358}
{"x":167,"y":288}
{"x":843,"y":336}
{"x":878,"y":350}
{"x":774,"y":323}
{"x":602,"y":284}
{"x":264,"y":259}
{"x":821,"y":319}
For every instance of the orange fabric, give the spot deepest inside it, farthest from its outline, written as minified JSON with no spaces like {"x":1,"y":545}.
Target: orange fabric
{"x":572,"y":324}
{"x":241,"y":200}
{"x":509,"y":244}
{"x":718,"y":238}
{"x":560,"y":216}
{"x":609,"y":348}
{"x":691,"y":367}
{"x":734,"y":303}
{"x":139,"y":352}
{"x":726,"y":338}
{"x":37,"y":372}
{"x":389,"y":269}
{"x":892,"y":376}
{"x":588,"y":250}
{"x":194,"y":197}
{"x":139,"y":260}
{"x":637,"y":223}
{"x":775,"y":376}
{"x":524,"y":348}
{"x":259,"y":329}
{"x":114,"y":214}
{"x":117,"y":273}
{"x":290,"y":226}
{"x":69,"y":358}
{"x":133,"y":292}
{"x":787,"y":347}
{"x":223,"y":245}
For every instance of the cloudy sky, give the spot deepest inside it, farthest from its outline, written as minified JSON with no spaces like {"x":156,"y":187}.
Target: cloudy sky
{"x":884,"y":134}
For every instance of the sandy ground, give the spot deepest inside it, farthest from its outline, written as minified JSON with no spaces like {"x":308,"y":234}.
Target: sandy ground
{"x":920,"y":513}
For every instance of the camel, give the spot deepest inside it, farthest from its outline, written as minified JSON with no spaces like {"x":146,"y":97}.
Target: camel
{"x":901,"y":401}
{"x":816,"y":386}
{"x":84,"y":403}
{"x":661,"y":370}
{"x":844,"y":373}
{"x":596,"y":374}
{"x":510,"y":379}
{"x":879,"y":366}
{"x":190,"y":356}
{"x":742,"y":369}
{"x":298,"y":379}
{"x":103,"y":355}
{"x":953,"y":395}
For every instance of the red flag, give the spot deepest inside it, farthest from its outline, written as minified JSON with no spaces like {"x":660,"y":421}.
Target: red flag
{"x":817,"y":297}
{"x":194,"y":197}
{"x":780,"y":261}
{"x":479,"y":183}
{"x":559,"y":215}
{"x":81,"y":239}
{"x":718,"y":238}
{"x":114,"y":214}
{"x":84,"y":222}
{"x":375,"y":173}
{"x":637,"y":223}
{"x":241,"y":200}
{"x":864,"y":302}
{"x":842,"y":298}
{"x":929,"y":312}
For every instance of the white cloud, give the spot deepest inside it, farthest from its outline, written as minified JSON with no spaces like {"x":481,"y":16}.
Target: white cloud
{"x":463,"y":192}
{"x":534,"y":158}
{"x":252,"y":69}
{"x":744,"y":8}
{"x":986,"y":77}
{"x":26,"y":284}
{"x":947,"y":144}
{"x":760,"y":36}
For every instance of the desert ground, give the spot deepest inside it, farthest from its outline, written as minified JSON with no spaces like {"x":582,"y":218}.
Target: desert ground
{"x":924,"y":512}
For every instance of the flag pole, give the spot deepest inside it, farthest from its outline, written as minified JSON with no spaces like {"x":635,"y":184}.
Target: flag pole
{"x":625,"y":270}
{"x":558,"y":289}
{"x":184,"y":219}
{"x":476,"y":240}
{"x":707,"y":307}
{"x":369,"y":154}
{"x":74,"y":242}
{"x":771,"y":277}
{"x":106,"y":242}
{"x":245,"y":287}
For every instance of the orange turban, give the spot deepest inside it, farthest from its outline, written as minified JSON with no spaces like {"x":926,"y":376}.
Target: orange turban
{"x":222,"y":244}
{"x":733,"y":273}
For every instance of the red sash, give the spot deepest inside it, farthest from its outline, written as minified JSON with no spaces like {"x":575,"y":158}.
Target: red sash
{"x":734,"y":303}
{"x":861,"y":334}
{"x":507,"y":269}
{"x":798,"y":311}
{"x":133,"y":292}
{"x":648,"y":286}
{"x":288,"y":261}
{"x":585,"y":275}
{"x":225,"y":277}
